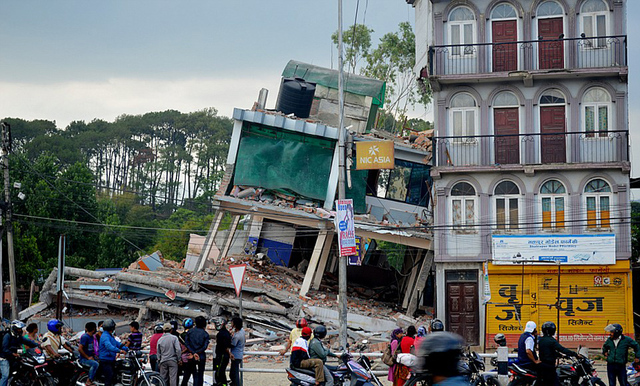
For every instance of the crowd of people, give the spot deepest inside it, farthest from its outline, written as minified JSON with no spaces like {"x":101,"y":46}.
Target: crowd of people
{"x":172,"y":353}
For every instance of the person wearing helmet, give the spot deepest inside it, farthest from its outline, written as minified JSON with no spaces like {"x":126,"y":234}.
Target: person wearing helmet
{"x":437,"y":325}
{"x":527,"y":344}
{"x":153,"y":346}
{"x":616,"y":349}
{"x":10,"y":345}
{"x":549,"y":348}
{"x":87,"y":351}
{"x":223,"y":345}
{"x":500,"y":340}
{"x":187,"y":361}
{"x":300,"y":356}
{"x":318,"y":351}
{"x":134,"y":341}
{"x":438,"y":356}
{"x":197,"y":341}
{"x":53,"y":340}
{"x":294,"y":335}
{"x":109,"y":349}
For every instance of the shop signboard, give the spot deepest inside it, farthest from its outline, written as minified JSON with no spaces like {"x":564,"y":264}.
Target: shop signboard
{"x":345,"y":226}
{"x":563,"y":249}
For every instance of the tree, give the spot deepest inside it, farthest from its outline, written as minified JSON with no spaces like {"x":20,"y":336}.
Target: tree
{"x":357,"y":42}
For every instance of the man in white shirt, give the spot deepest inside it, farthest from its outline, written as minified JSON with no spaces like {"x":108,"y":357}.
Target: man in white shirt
{"x":527,"y":356}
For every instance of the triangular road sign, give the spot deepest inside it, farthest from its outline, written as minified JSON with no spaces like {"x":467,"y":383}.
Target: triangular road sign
{"x":237,"y":275}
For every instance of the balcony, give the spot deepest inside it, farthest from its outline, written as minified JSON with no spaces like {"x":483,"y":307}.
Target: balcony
{"x":592,"y":56}
{"x":515,"y":151}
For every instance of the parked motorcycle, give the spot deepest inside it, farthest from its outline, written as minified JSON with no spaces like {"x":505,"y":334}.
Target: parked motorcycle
{"x":129,"y":371}
{"x":472,"y":367}
{"x":31,"y":370}
{"x":521,"y":376}
{"x":579,"y":372}
{"x":633,"y":375}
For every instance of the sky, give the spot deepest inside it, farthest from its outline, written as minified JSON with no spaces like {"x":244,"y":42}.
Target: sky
{"x":68,"y":60}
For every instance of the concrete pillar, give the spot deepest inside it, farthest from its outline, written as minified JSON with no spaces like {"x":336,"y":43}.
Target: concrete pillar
{"x":324,"y":259}
{"x":318,"y":250}
{"x":227,"y":244}
{"x":209,"y":243}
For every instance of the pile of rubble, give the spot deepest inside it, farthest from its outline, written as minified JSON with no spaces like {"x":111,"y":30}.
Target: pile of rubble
{"x":270,"y":300}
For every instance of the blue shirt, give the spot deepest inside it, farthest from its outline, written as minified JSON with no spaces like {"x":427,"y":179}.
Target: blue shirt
{"x":86,"y":341}
{"x":110,"y":347}
{"x":237,"y":344}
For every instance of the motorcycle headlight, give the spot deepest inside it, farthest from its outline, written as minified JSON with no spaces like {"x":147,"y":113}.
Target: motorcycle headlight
{"x":40,"y":359}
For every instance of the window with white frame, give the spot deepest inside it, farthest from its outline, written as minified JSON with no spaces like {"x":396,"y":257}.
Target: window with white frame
{"x":594,"y":14}
{"x":462,"y":31}
{"x":596,"y":110}
{"x":463,"y":205}
{"x":549,"y":9}
{"x":597,"y":195}
{"x":552,"y":199}
{"x":507,"y":201}
{"x":504,"y":11}
{"x":463,"y":117}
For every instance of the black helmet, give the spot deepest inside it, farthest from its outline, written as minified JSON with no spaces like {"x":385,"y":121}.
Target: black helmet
{"x":548,"y":329}
{"x":437,"y":325}
{"x":439,"y":353}
{"x":320,"y":332}
{"x":158,"y":329}
{"x":109,"y":325}
{"x":174,"y":325}
{"x":500,"y":340}
{"x":17,"y":327}
{"x":617,"y":331}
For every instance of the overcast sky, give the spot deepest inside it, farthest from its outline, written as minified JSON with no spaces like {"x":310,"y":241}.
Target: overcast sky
{"x":70,"y":60}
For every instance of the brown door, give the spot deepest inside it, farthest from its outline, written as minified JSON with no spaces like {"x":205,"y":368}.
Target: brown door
{"x":462,"y":315}
{"x":505,"y":56}
{"x":551,"y":54}
{"x":552,"y":130}
{"x":506,"y":129}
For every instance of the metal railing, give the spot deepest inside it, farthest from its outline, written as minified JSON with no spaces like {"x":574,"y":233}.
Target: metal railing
{"x":532,"y":149}
{"x":570,"y":53}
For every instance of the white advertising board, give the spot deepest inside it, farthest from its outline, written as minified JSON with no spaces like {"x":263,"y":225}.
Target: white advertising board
{"x":565,"y":249}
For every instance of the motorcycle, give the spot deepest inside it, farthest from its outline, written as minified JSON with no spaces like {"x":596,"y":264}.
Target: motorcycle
{"x":633,"y":375}
{"x":30,"y":370}
{"x":129,"y":371}
{"x":579,"y":372}
{"x":472,"y":367}
{"x":521,"y":376}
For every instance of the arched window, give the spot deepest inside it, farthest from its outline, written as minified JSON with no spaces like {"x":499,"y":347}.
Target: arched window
{"x":463,"y":116}
{"x":506,"y":99}
{"x":552,"y":195}
{"x":596,"y":108}
{"x":597,"y":194}
{"x":594,"y":14}
{"x":463,"y":204}
{"x":549,"y":9}
{"x":462,"y":30}
{"x":507,"y":197}
{"x":504,"y":11}
{"x":552,"y":97}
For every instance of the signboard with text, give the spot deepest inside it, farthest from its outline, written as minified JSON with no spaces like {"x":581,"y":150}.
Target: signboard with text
{"x":563,"y":249}
{"x":345,"y":227}
{"x":374,"y":155}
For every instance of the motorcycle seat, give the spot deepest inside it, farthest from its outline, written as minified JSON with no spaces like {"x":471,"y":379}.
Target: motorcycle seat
{"x":304,"y":371}
{"x":331,"y":368}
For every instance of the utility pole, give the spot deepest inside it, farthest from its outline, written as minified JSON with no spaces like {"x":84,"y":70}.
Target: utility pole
{"x":6,"y":149}
{"x":62,"y":252}
{"x":342,"y":272}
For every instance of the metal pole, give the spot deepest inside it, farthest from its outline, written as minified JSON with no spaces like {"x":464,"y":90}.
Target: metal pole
{"x":342,"y":273}
{"x":60,"y":281}
{"x":240,"y":301}
{"x":6,"y":147}
{"x":558,"y":305}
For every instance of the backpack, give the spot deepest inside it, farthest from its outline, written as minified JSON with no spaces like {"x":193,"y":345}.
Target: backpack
{"x":390,"y":358}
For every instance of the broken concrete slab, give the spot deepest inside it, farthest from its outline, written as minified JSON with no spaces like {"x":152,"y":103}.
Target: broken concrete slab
{"x":30,"y":311}
{"x":148,"y":280}
{"x":354,"y":321}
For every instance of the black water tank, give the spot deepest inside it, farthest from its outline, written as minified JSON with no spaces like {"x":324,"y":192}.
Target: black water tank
{"x":295,"y":96}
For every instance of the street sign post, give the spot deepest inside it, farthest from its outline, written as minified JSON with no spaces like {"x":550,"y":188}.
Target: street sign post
{"x":237,"y":275}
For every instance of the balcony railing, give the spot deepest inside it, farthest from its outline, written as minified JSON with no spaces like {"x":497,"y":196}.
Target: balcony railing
{"x":532,"y":149}
{"x":484,"y":58}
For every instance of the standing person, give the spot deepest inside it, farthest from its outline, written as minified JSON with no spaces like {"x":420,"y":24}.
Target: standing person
{"x":402,"y":372}
{"x":294,"y":335}
{"x":549,"y":348}
{"x":318,"y":351}
{"x":616,"y":349}
{"x":32,"y":333}
{"x":300,"y":357}
{"x":420,"y":335}
{"x":197,"y":341}
{"x":396,"y":337}
{"x":236,"y":351}
{"x":10,"y":345}
{"x":109,"y":348}
{"x":87,"y":351}
{"x":187,"y":361}
{"x":223,"y":345}
{"x":439,"y":355}
{"x":168,"y":356}
{"x":134,"y":342}
{"x":153,"y":347}
{"x":527,"y":345}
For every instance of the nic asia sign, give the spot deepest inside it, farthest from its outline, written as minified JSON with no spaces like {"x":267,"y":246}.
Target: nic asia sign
{"x":374,"y":155}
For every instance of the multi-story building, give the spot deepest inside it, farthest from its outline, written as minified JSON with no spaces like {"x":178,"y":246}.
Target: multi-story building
{"x":531,"y":164}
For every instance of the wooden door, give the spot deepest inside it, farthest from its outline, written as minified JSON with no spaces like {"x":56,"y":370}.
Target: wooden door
{"x":550,"y":54}
{"x":506,"y":127}
{"x":505,"y":56}
{"x":462,"y":311}
{"x":552,"y":130}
